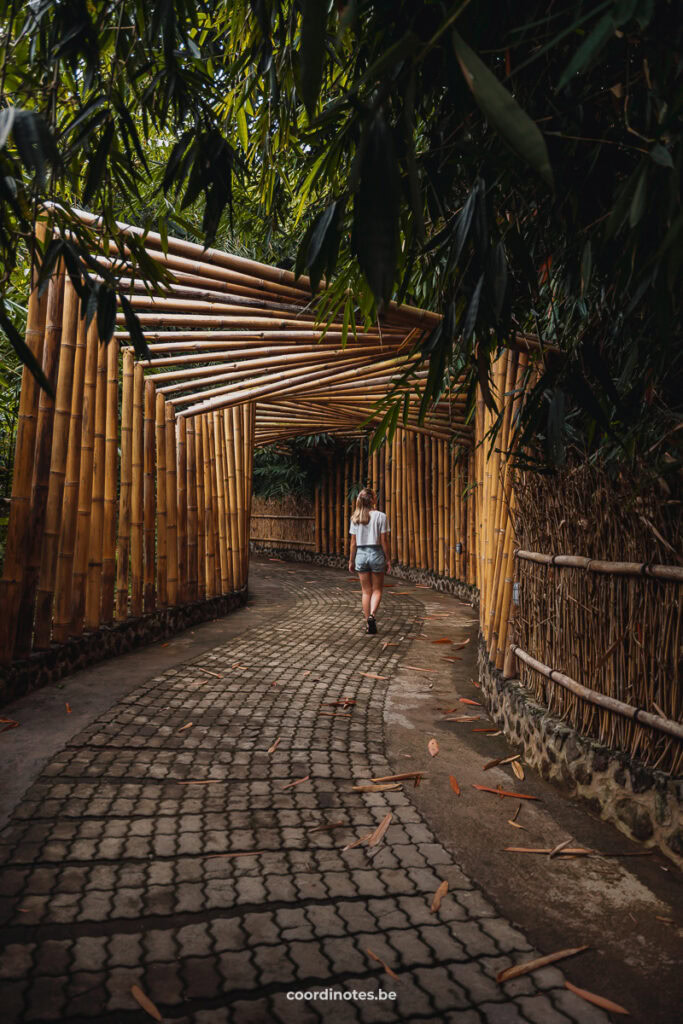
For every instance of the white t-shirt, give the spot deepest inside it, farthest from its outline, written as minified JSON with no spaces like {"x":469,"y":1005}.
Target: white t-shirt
{"x":369,"y":533}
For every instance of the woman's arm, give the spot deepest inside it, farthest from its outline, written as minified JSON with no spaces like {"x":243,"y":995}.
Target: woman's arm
{"x":352,"y":552}
{"x":384,"y":538}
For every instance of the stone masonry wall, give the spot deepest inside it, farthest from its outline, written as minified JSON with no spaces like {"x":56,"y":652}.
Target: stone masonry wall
{"x":642,"y":803}
{"x":49,"y":666}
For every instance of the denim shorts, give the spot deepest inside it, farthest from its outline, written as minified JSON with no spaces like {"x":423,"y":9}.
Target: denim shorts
{"x":370,"y":558}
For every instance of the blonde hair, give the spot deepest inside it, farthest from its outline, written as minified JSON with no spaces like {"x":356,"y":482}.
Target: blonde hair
{"x":364,"y":503}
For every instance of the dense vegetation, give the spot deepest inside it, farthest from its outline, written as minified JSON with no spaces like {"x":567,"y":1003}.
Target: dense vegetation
{"x":516,"y":167}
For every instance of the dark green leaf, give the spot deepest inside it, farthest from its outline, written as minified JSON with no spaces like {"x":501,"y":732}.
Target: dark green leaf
{"x":23,"y":351}
{"x":376,"y":209}
{"x":661,"y":156}
{"x":313,"y":24}
{"x":589,"y":49}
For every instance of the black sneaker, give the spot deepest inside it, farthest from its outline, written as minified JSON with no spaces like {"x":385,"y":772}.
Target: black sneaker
{"x":372,"y":625}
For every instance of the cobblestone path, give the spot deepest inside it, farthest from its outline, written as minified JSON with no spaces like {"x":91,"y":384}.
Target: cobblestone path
{"x":112,"y":873}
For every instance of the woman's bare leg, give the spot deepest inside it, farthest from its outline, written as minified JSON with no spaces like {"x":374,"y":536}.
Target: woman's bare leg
{"x":377,"y":588}
{"x":366,"y":587}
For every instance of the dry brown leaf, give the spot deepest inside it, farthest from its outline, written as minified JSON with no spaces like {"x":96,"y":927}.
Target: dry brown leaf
{"x":454,"y":785}
{"x":429,"y":671}
{"x":590,"y":997}
{"x":399,"y":777}
{"x":500,"y":760}
{"x":371,"y":675}
{"x":465,"y":718}
{"x":451,"y":659}
{"x":541,"y":961}
{"x":559,"y":848}
{"x":439,"y":895}
{"x":208,"y":670}
{"x":184,"y":727}
{"x":466,"y":700}
{"x":516,"y":824}
{"x":443,"y":640}
{"x":574,"y":851}
{"x":516,"y":814}
{"x":145,"y":1002}
{"x":378,"y":834}
{"x":666,"y":920}
{"x":433,"y":747}
{"x":385,"y":966}
{"x":459,"y":647}
{"x":518,"y":770}
{"x":504,"y":792}
{"x":376,"y":788}
{"x":352,"y":846}
{"x":68,"y":708}
{"x":274,"y":747}
{"x":297,"y":782}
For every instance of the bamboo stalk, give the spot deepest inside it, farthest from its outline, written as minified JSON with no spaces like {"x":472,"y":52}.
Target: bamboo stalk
{"x":93,"y":587}
{"x":149,"y":497}
{"x":19,"y":516}
{"x":419,"y":496}
{"x":411,"y":496}
{"x":192,"y":514}
{"x":137,"y":494}
{"x":339,"y":513}
{"x":111,"y":476}
{"x":441,"y":508}
{"x":318,"y":532}
{"x":58,"y":460}
{"x":201,"y":507}
{"x":345,"y":504}
{"x":171,"y":507}
{"x":209,"y":512}
{"x":221,"y":487}
{"x":85,"y":483}
{"x":181,"y":497}
{"x":233,"y":511}
{"x":238,"y":440}
{"x":124,"y":531}
{"x":161,"y":516}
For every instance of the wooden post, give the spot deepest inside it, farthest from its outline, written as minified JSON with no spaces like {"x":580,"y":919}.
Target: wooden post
{"x":123,"y":542}
{"x":60,"y":447}
{"x":240,"y":521}
{"x":85,"y":482}
{"x":428,"y":503}
{"x":148,"y":497}
{"x":230,"y":444}
{"x":181,"y":440}
{"x":171,"y":506}
{"x":67,"y":533}
{"x":192,"y":513}
{"x":419,"y":495}
{"x":452,"y":516}
{"x":210,"y":525}
{"x":201,"y":507}
{"x":161,"y":517}
{"x":413,"y":525}
{"x":220,"y":483}
{"x":93,"y":591}
{"x":345,"y":506}
{"x":111,"y":480}
{"x":19,"y":516}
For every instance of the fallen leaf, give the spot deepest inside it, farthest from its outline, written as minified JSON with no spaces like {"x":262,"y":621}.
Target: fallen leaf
{"x":379,"y":788}
{"x":459,"y":647}
{"x":274,"y":747}
{"x":385,"y":966}
{"x":433,"y":747}
{"x":357,"y":842}
{"x":429,"y":671}
{"x":516,"y":825}
{"x":516,"y":814}
{"x":183,"y":727}
{"x":443,"y":640}
{"x":590,"y":997}
{"x":378,"y":834}
{"x":518,"y":770}
{"x":666,"y":920}
{"x":68,"y":708}
{"x":208,"y":670}
{"x":500,"y":760}
{"x":454,"y":785}
{"x":371,"y":675}
{"x":11,"y":724}
{"x":451,"y":659}
{"x":503,"y":792}
{"x":439,"y":895}
{"x":494,"y":732}
{"x":297,"y":782}
{"x":399,"y":777}
{"x":467,"y":718}
{"x":466,"y":700}
{"x":574,"y":851}
{"x":145,"y":1002}
{"x":559,"y":848}
{"x":541,"y":961}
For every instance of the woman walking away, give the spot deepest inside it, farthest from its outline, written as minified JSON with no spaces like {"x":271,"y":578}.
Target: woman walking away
{"x":369,"y":554}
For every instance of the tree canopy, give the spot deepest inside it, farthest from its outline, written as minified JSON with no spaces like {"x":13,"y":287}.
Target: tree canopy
{"x":515,"y":167}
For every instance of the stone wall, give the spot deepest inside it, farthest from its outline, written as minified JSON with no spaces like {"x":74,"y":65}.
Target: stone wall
{"x":49,"y":666}
{"x":444,"y":584}
{"x":641,"y":802}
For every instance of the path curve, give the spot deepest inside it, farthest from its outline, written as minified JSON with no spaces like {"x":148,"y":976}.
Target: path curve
{"x":108,"y":878}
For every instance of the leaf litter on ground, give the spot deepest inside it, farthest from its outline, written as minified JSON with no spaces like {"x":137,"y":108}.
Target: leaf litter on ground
{"x":438,"y":896}
{"x":533,"y":965}
{"x":591,"y":997}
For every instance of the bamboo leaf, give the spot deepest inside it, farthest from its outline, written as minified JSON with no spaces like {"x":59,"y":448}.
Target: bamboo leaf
{"x":145,"y":1002}
{"x":24,"y":352}
{"x":312,"y":51}
{"x":376,"y":209}
{"x":541,"y":961}
{"x":438,"y":896}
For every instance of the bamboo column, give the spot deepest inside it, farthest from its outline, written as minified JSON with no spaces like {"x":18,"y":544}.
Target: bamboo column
{"x":453,"y":518}
{"x":210,"y":525}
{"x":233,"y":511}
{"x":181,"y":496}
{"x":58,"y":459}
{"x":218,"y":485}
{"x":19,"y":516}
{"x":111,"y":479}
{"x":419,"y":497}
{"x":148,"y":497}
{"x":93,"y":592}
{"x":345,"y":504}
{"x":435,"y":504}
{"x":411,"y":495}
{"x":161,"y":523}
{"x":171,"y":507}
{"x":428,"y":503}
{"x":339,"y":513}
{"x":67,"y":533}
{"x":442,"y":507}
{"x":123,"y":542}
{"x":85,"y":482}
{"x":398,"y":472}
{"x":248,"y":428}
{"x":201,"y":507}
{"x":238,"y":430}
{"x":137,"y":493}
{"x":192,"y":514}
{"x":316,"y":519}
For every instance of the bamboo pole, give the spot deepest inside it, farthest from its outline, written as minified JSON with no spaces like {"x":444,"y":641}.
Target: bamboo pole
{"x":419,"y":497}
{"x":171,"y":507}
{"x":238,"y":442}
{"x":233,"y":511}
{"x":182,"y":514}
{"x":161,"y":516}
{"x":58,"y":460}
{"x":218,"y":492}
{"x":148,"y":497}
{"x":210,"y":526}
{"x":67,"y":533}
{"x":85,"y":482}
{"x":339,"y":513}
{"x":441,"y":507}
{"x":93,"y":591}
{"x":137,"y":494}
{"x":22,"y":480}
{"x":248,"y":428}
{"x":111,"y":478}
{"x":345,"y":506}
{"x":201,"y":507}
{"x":316,"y":513}
{"x":192,"y":514}
{"x":452,"y":517}
{"x":411,"y":501}
{"x":124,"y":532}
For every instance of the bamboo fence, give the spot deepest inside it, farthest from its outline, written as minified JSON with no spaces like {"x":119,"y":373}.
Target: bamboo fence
{"x":132,"y":488}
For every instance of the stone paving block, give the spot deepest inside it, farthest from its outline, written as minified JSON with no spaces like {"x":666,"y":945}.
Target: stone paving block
{"x":539,"y":1010}
{"x":53,"y":957}
{"x":163,"y":984}
{"x":46,"y":999}
{"x":86,"y":994}
{"x":501,"y":1013}
{"x":576,"y":1008}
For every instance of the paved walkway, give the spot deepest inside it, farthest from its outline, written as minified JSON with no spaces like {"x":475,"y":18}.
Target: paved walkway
{"x":116,"y":867}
